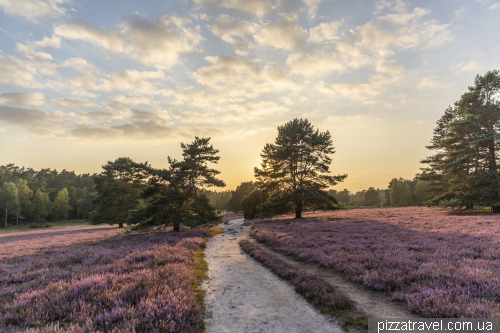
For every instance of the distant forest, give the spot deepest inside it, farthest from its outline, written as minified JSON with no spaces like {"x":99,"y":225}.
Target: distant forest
{"x":47,"y":195}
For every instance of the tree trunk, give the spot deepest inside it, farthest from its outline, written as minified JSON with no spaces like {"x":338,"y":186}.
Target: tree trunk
{"x":120,"y":225}
{"x":177,"y":227}
{"x":495,"y":209}
{"x":298,"y":210}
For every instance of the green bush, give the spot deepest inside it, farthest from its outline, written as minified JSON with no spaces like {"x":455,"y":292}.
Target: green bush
{"x":251,"y":202}
{"x":46,"y":225}
{"x":35,"y":225}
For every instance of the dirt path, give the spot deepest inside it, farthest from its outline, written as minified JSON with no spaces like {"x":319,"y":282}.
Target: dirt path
{"x":373,"y":304}
{"x":242,"y":296}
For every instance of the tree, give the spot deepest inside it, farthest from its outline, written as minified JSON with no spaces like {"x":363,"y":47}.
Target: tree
{"x":61,"y":204}
{"x":118,"y":190}
{"x":342,"y":196}
{"x":241,"y":191}
{"x":386,"y":201}
{"x":85,"y":206}
{"x":42,"y":206}
{"x":371,"y":197}
{"x":9,"y":199}
{"x":421,"y":192}
{"x":463,"y":171}
{"x":294,"y":170}
{"x":400,"y":193}
{"x":175,"y":194}
{"x":250,"y":203}
{"x":24,"y":194}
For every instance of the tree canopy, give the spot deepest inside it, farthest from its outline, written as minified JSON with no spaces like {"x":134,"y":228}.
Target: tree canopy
{"x":463,"y":172}
{"x":175,"y":194}
{"x":241,"y":191}
{"x":294,"y":169}
{"x":118,"y":190}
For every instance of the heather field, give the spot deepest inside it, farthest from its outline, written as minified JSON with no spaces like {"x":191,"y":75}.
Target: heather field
{"x":441,"y":265}
{"x":16,"y":244}
{"x":124,"y":283}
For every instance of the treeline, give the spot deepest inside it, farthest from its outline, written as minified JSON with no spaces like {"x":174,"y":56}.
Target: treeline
{"x":31,"y":195}
{"x":400,"y":193}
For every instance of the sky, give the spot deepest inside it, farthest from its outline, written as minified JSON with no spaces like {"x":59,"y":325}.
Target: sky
{"x":85,"y":82}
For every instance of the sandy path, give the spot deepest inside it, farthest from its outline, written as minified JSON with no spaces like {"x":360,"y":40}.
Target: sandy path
{"x":373,"y":304}
{"x":242,"y":296}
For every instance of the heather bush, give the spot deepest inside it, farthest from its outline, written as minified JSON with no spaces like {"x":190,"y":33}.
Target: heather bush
{"x":129,"y":283}
{"x":440,"y":265}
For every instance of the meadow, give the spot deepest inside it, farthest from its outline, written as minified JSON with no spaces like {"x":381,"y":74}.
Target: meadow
{"x":440,"y":265}
{"x":122,"y":283}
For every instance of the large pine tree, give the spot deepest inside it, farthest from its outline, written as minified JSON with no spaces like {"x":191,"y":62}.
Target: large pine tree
{"x":175,"y":194}
{"x":464,"y":169}
{"x":294,"y":169}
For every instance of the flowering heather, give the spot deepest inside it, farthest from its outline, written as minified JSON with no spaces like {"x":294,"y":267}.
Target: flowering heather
{"x":440,"y":265}
{"x":128,"y":283}
{"x":316,"y":291}
{"x":28,"y":242}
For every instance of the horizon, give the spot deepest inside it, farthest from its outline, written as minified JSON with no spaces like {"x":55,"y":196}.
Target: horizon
{"x":86,"y":83}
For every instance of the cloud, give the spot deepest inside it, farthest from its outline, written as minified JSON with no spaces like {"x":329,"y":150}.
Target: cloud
{"x":34,"y":9}
{"x":312,"y":7}
{"x":235,"y":32}
{"x":236,"y":77}
{"x":20,"y":116}
{"x":99,"y":115}
{"x":254,"y":7}
{"x":72,"y":103}
{"x":325,"y":32}
{"x":21,"y":98}
{"x":466,"y":66}
{"x":142,"y":82}
{"x":285,"y":34}
{"x":80,"y":65}
{"x":494,"y":6}
{"x":428,"y":83}
{"x":16,"y":72}
{"x":404,"y":17}
{"x":136,"y":129}
{"x":121,"y":102}
{"x":345,"y":57}
{"x":356,"y":91}
{"x":156,"y":43}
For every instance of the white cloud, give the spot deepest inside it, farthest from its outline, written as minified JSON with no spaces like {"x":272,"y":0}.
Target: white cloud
{"x":34,"y":9}
{"x":405,"y":18}
{"x":494,"y":6}
{"x":72,"y":103}
{"x":16,"y":72}
{"x":428,"y":83}
{"x":312,"y":7}
{"x":466,"y":66}
{"x":284,"y":34}
{"x":326,"y":31}
{"x":22,"y":99}
{"x":143,"y":82}
{"x":356,"y":91}
{"x":151,"y":129}
{"x":235,"y":32}
{"x":254,"y":7}
{"x":156,"y":43}
{"x":79,"y":64}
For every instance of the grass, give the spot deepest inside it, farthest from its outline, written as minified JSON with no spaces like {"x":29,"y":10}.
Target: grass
{"x":200,"y":272}
{"x":53,"y":224}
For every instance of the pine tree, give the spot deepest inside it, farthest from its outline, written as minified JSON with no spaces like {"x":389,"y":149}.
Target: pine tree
{"x":241,"y":191}
{"x":294,"y":170}
{"x":371,"y":197}
{"x":464,"y":170}
{"x":118,"y":190}
{"x":175,"y":194}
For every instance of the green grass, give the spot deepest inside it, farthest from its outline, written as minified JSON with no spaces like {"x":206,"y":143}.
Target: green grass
{"x":53,"y":225}
{"x":200,"y":271}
